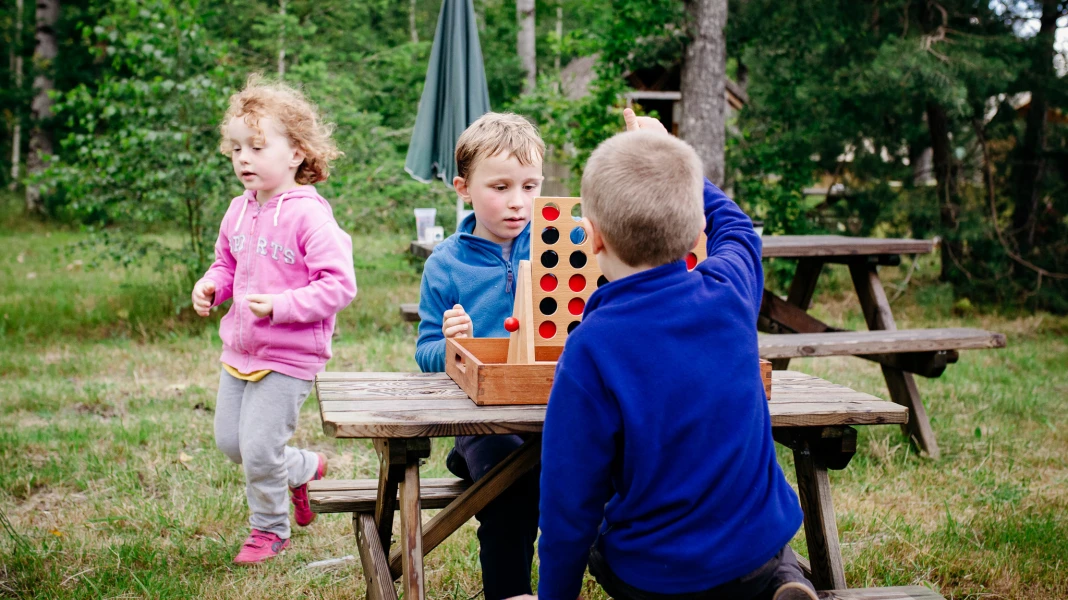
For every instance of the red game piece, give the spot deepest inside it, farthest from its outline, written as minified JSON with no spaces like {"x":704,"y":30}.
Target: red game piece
{"x":511,"y":324}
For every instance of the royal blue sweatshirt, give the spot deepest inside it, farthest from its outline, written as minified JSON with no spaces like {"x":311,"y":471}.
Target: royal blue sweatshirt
{"x":657,"y":442}
{"x":471,"y":271}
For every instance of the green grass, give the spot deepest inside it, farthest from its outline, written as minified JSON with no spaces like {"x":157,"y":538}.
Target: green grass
{"x":112,"y":486}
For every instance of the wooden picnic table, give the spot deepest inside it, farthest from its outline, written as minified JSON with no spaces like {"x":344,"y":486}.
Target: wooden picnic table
{"x":402,"y":411}
{"x":422,"y":249}
{"x":900,"y":353}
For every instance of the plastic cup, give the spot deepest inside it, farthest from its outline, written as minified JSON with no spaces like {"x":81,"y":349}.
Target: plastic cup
{"x":424,"y":220}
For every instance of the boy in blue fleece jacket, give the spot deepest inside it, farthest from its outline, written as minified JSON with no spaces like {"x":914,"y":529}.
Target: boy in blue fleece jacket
{"x":468,"y":289}
{"x":658,"y":465}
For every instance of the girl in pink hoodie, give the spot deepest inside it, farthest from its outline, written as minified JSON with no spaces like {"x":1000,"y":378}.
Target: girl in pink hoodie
{"x":287,"y":266}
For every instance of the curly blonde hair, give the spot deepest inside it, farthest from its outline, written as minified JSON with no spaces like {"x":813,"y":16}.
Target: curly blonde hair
{"x":299,"y":118}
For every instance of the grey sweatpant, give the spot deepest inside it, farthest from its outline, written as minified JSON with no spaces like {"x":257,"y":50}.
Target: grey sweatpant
{"x":253,"y":422}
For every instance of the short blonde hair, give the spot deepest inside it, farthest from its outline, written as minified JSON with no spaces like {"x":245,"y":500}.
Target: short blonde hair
{"x":644,"y":191}
{"x":496,"y":132}
{"x":299,"y":118}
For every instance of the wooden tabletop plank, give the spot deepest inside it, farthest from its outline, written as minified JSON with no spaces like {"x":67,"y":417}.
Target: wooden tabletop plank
{"x":800,"y":246}
{"x":358,"y":407}
{"x":851,"y":343}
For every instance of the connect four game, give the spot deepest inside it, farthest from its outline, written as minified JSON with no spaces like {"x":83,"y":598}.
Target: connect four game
{"x":563,"y":269}
{"x":552,"y":289}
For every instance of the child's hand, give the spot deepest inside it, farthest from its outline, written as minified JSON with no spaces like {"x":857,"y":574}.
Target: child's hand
{"x":456,"y":323}
{"x":203,"y":297}
{"x":261,"y":305}
{"x":634,"y":122}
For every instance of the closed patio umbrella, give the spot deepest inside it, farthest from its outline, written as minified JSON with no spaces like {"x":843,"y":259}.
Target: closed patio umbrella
{"x":454,"y":96}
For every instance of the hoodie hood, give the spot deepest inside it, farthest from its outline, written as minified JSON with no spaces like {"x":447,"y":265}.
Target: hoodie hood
{"x":276,"y":201}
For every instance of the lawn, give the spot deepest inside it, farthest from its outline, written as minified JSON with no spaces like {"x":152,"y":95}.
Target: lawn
{"x":112,"y":486}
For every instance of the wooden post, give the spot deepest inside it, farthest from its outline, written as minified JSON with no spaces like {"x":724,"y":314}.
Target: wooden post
{"x":474,"y":499}
{"x":373,"y":558}
{"x":802,"y":288}
{"x":411,"y":534}
{"x":901,"y":385}
{"x":821,"y":531}
{"x":391,"y":459}
{"x":521,"y":342}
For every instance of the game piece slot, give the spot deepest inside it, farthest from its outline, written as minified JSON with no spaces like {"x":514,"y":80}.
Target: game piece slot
{"x":550,"y":235}
{"x":547,"y":306}
{"x":577,"y":235}
{"x":571,"y":326}
{"x":601,"y":280}
{"x":576,"y":211}
{"x":551,"y":212}
{"x":549,"y":259}
{"x":577,"y":259}
{"x":575,"y":306}
{"x":691,"y":261}
{"x":547,"y":330}
{"x":577,"y":283}
{"x":549,"y":282}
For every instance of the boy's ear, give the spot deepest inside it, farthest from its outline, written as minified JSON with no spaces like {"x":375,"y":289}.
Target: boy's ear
{"x":594,"y":234}
{"x":460,"y":185}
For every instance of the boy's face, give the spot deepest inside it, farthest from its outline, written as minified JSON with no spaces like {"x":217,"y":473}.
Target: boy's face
{"x":501,"y":190}
{"x":264,"y":160}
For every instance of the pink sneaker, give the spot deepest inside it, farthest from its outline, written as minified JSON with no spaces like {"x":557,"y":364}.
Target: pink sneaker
{"x":302,"y":512}
{"x":259,"y":546}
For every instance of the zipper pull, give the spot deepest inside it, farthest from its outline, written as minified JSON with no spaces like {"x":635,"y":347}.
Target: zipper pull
{"x":508,"y":285}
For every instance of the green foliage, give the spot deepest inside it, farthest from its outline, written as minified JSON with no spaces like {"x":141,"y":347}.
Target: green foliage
{"x":142,"y":148}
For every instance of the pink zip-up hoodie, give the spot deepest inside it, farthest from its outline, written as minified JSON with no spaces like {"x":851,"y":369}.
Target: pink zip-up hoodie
{"x":293,"y":248}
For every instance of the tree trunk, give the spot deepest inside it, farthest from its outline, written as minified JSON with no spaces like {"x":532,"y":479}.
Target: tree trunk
{"x":411,"y":22}
{"x":704,"y":71}
{"x":16,"y":128}
{"x":1030,"y":163}
{"x":946,"y":174}
{"x":527,"y":53}
{"x":559,"y":36}
{"x":282,"y":39}
{"x":44,"y":54}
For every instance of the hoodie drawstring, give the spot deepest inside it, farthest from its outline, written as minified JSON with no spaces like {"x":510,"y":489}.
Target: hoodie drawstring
{"x":278,"y":209}
{"x":241,"y":216}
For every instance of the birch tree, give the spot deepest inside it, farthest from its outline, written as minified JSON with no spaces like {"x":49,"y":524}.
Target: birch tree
{"x":44,"y":53}
{"x":527,"y":51}
{"x":16,"y":128}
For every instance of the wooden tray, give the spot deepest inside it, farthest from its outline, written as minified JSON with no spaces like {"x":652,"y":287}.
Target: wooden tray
{"x":480,"y":367}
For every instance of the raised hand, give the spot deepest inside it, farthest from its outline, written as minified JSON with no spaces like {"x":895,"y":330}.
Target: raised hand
{"x":634,"y":122}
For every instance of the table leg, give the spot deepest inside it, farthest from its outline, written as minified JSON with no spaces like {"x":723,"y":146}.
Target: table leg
{"x":391,"y":459}
{"x":373,"y":558}
{"x":802,"y":288}
{"x":474,"y":499}
{"x":901,"y":385}
{"x":411,"y":534}
{"x":821,"y":531}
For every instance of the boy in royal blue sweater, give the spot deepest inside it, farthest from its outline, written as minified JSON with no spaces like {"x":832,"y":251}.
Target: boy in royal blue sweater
{"x":658,"y":466}
{"x":468,"y":289}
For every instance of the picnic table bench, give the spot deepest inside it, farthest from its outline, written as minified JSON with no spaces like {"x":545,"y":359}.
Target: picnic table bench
{"x":410,"y":311}
{"x":402,"y":411}
{"x":792,"y":333}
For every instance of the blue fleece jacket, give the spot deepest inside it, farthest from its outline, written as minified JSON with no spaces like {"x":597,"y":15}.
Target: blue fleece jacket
{"x":657,"y":442}
{"x":467,"y":270}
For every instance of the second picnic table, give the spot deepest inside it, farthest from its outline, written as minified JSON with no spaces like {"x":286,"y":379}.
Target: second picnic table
{"x":901,"y":353}
{"x":402,"y":411}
